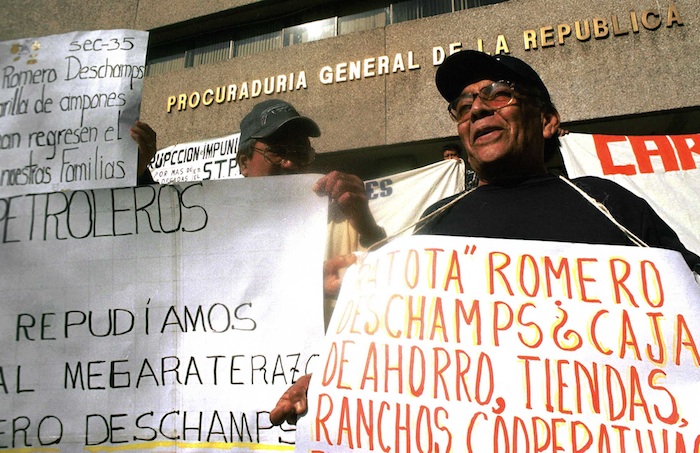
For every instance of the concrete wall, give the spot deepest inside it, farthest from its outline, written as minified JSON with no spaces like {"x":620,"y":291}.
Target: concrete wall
{"x":612,"y":75}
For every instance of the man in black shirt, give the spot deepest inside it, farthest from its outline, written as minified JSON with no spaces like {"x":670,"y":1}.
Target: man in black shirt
{"x":508,"y":125}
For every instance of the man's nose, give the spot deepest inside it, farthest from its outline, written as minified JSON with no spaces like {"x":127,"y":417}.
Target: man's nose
{"x":479,"y":109}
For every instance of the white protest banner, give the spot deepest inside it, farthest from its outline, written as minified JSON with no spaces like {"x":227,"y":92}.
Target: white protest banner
{"x":457,"y":344}
{"x":158,"y":318}
{"x":662,"y":169}
{"x":197,"y":161}
{"x":66,"y":104}
{"x":397,"y":201}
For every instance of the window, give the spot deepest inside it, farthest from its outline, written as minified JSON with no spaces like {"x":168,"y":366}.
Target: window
{"x":257,"y":44}
{"x":165,"y":64}
{"x":415,"y":9}
{"x":367,"y":20}
{"x":312,"y":31}
{"x":272,"y":34}
{"x":210,"y":53}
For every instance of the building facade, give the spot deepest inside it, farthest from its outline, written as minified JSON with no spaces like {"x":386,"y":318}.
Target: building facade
{"x":365,"y":71}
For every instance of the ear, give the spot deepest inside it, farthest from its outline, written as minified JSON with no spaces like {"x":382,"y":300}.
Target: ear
{"x":243,"y":163}
{"x":550,"y":123}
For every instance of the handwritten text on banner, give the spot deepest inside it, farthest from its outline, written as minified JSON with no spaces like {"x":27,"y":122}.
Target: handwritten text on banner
{"x":155,"y":317}
{"x":66,"y":105}
{"x":473,"y":345}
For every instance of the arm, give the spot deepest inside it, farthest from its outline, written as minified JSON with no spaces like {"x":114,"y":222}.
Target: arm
{"x":348,"y":191}
{"x":145,"y":138}
{"x":292,"y":404}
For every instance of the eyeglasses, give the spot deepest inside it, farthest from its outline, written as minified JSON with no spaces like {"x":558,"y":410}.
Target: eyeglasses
{"x":274,"y":155}
{"x":495,"y":96}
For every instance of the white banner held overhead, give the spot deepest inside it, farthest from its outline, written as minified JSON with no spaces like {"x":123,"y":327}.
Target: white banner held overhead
{"x":662,"y":169}
{"x":158,"y":318}
{"x":66,"y":105}
{"x":492,"y":345}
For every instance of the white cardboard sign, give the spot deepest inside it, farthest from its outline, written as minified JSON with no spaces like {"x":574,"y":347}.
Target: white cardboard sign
{"x":160,"y":317}
{"x":66,"y":105}
{"x":472,"y":345}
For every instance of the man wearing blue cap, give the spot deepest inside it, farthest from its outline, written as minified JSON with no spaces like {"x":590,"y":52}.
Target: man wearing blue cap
{"x":508,"y":124}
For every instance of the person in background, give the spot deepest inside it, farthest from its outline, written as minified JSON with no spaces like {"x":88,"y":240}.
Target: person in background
{"x":452,"y":151}
{"x":275,"y":140}
{"x":508,"y":124}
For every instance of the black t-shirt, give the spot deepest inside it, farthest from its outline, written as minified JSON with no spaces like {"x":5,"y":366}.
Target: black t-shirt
{"x":546,"y":208}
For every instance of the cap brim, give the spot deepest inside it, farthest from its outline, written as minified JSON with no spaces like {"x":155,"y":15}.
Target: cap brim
{"x":303,"y":123}
{"x":466,"y":67}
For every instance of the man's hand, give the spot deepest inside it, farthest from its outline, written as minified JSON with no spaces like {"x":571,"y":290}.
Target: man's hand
{"x":348,"y":191}
{"x":145,"y":137}
{"x":292,"y":404}
{"x":332,"y":273}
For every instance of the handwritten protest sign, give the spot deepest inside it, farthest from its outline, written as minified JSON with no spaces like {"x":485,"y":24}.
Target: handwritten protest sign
{"x":483,"y":345}
{"x":158,"y":317}
{"x":66,"y":105}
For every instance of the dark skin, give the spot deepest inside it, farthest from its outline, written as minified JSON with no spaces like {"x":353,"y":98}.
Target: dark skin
{"x":145,"y":138}
{"x":507,"y":143}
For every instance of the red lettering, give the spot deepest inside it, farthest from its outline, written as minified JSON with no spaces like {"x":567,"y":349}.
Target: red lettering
{"x":594,"y":337}
{"x":493,"y":268}
{"x":371,"y":371}
{"x":654,"y":282}
{"x":453,"y":273}
{"x":563,"y":269}
{"x":322,"y":417}
{"x":627,"y":337}
{"x":583,"y":278}
{"x":685,"y":150}
{"x":643,"y":152}
{"x":602,"y":148}
{"x":684,"y":338}
{"x":618,"y":282}
{"x":528,"y":262}
{"x":673,"y":417}
{"x":498,"y":325}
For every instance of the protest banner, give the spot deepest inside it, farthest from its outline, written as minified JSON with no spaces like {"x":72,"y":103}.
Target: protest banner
{"x":158,"y":318}
{"x":662,"y":169}
{"x":396,"y":201}
{"x":66,"y":105}
{"x":201,"y":160}
{"x":456,"y":344}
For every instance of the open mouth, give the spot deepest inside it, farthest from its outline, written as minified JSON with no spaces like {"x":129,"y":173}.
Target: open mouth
{"x":485,"y":133}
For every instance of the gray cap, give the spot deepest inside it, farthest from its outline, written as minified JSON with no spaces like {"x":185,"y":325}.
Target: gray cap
{"x":268,"y":116}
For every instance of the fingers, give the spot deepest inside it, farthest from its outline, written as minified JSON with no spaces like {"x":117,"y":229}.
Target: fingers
{"x":335,"y":264}
{"x":145,"y":138}
{"x":292,"y":404}
{"x":335,"y":184}
{"x":332,"y":278}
